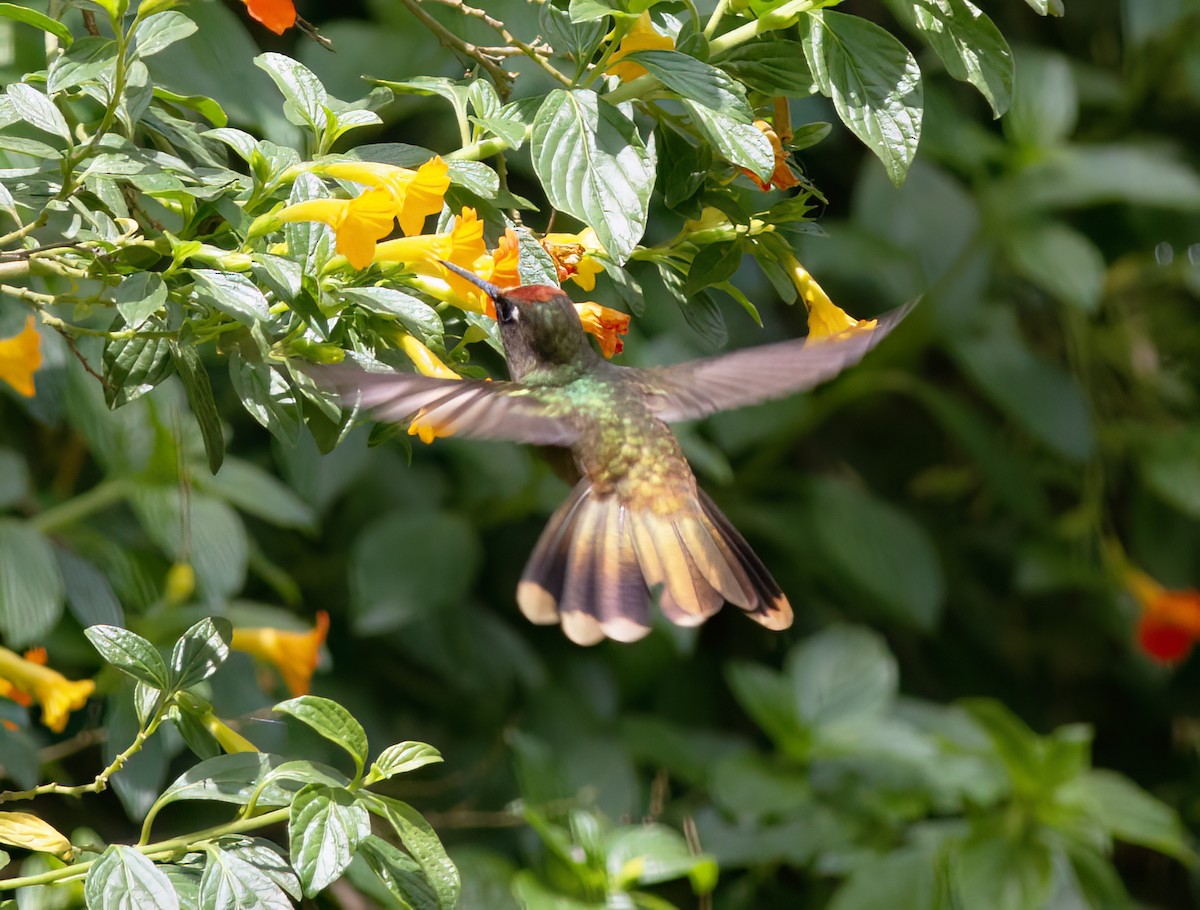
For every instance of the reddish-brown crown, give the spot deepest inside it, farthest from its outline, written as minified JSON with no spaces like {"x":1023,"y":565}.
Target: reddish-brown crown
{"x":533,"y":293}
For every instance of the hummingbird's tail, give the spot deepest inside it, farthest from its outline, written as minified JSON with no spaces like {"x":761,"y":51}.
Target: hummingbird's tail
{"x":598,"y":559}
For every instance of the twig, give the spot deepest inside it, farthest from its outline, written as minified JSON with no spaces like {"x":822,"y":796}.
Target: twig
{"x":502,"y":77}
{"x":535,"y":52}
{"x":83,"y":360}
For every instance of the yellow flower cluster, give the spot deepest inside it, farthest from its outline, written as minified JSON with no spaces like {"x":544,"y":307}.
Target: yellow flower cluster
{"x":20,"y":357}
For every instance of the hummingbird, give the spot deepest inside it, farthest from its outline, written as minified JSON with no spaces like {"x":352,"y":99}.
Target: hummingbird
{"x":636,"y":521}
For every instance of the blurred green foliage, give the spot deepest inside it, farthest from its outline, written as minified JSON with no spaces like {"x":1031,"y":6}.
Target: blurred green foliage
{"x":932,"y":733}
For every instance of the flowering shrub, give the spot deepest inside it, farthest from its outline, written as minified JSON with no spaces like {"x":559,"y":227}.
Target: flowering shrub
{"x":152,"y":248}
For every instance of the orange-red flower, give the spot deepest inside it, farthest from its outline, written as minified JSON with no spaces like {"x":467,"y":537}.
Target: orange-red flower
{"x":294,"y":654}
{"x":608,"y":325}
{"x":782,"y":178}
{"x":277,"y":15}
{"x":1169,"y":624}
{"x":641,"y":37}
{"x":20,"y":357}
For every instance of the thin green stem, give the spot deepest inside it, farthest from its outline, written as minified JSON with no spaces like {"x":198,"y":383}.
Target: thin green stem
{"x":779,"y":18}
{"x":618,"y":32}
{"x":161,"y":850}
{"x":477,"y":151}
{"x":715,"y":19}
{"x":94,"y":500}
{"x":100,"y":783}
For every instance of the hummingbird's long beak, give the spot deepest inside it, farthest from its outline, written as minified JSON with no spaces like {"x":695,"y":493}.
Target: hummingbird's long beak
{"x":486,"y":286}
{"x":504,"y":307}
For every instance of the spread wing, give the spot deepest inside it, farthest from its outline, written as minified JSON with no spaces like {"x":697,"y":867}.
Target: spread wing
{"x":697,"y":388}
{"x":462,"y":407}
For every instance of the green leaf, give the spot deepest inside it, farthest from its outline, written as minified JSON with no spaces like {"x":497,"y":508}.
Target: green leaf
{"x":123,"y":879}
{"x":992,"y":870}
{"x":333,"y":722}
{"x":213,"y":533}
{"x":842,"y":676}
{"x":872,"y":548}
{"x":325,"y":827}
{"x":739,"y":143}
{"x":134,"y":365}
{"x":200,"y":397}
{"x":401,"y":759}
{"x":158,"y":32}
{"x":139,"y":295}
{"x":31,"y":586}
{"x":1040,"y":395}
{"x":773,"y":67}
{"x":231,"y":882}
{"x":1132,"y":815}
{"x":874,"y":83}
{"x":590,"y":10}
{"x":905,"y":879}
{"x":714,"y":264}
{"x":418,"y":318}
{"x":268,"y":859}
{"x":130,"y":653}
{"x":37,"y":110}
{"x":422,"y":842}
{"x":267,"y":396}
{"x":696,"y":81}
{"x":593,"y":165}
{"x":767,"y":697}
{"x":1047,"y":7}
{"x":232,"y":294}
{"x":305,"y":97}
{"x":650,"y":854}
{"x":400,"y":874}
{"x":405,"y":566}
{"x":260,"y":494}
{"x":968,"y":43}
{"x":37,"y":20}
{"x":1061,"y":261}
{"x":577,"y":40}
{"x":206,"y":107}
{"x":14,"y":478}
{"x":1098,"y":174}
{"x":1045,"y":104}
{"x":200,"y":651}
{"x":90,"y":597}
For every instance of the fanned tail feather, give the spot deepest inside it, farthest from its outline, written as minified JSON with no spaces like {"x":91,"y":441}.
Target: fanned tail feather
{"x":597,"y":560}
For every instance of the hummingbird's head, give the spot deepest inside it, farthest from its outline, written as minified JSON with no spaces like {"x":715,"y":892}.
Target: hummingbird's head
{"x":539,"y":326}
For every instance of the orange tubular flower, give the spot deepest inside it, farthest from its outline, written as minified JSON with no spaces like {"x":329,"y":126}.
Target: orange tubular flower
{"x":277,"y":15}
{"x":608,"y":325}
{"x":26,"y":679}
{"x":20,"y":357}
{"x":294,"y":654}
{"x":1170,"y":620}
{"x":506,"y":261}
{"x":574,"y":258}
{"x":642,"y":37}
{"x":782,"y":178}
{"x":825,"y":319}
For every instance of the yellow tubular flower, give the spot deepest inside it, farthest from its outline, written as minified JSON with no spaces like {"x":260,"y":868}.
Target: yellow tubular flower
{"x":357,"y":223}
{"x":20,"y":357}
{"x":642,"y":37}
{"x":573,"y":257}
{"x":606,"y":324}
{"x":463,"y":245}
{"x":416,"y":194}
{"x":428,"y":364}
{"x":825,"y":318}
{"x":506,"y":261}
{"x":57,"y":695}
{"x":294,"y":654}
{"x":227,"y":738}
